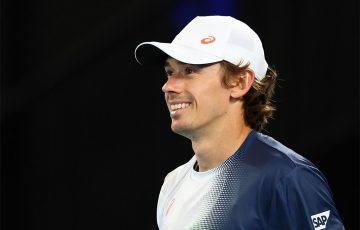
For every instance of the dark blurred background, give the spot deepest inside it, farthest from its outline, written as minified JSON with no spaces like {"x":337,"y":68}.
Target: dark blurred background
{"x":85,"y":134}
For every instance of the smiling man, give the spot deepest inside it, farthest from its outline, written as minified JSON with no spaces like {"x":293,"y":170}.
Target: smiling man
{"x":218,"y":92}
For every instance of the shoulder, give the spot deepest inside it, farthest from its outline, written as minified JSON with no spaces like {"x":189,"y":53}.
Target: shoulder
{"x":272,"y":151}
{"x":288,"y":179}
{"x":273,"y":160}
{"x":287,"y":170}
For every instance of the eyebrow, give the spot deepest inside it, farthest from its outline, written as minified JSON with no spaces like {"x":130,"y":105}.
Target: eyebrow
{"x":167,"y":64}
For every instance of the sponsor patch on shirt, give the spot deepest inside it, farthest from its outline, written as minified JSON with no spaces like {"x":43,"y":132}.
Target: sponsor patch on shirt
{"x":319,"y":220}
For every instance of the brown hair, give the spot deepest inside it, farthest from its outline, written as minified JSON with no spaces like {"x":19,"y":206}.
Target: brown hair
{"x":258,"y":106}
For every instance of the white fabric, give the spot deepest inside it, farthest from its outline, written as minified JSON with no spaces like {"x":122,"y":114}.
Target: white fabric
{"x":178,"y":205}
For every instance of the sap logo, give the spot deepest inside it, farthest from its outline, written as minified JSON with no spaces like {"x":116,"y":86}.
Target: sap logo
{"x":319,"y":220}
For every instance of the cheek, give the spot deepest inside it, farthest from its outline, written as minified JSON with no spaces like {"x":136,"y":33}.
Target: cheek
{"x":209,"y":91}
{"x":213,"y":98}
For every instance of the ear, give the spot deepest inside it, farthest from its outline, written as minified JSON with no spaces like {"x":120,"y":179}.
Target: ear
{"x":243,"y":83}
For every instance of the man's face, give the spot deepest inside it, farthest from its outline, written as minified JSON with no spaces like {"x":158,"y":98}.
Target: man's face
{"x":196,"y":99}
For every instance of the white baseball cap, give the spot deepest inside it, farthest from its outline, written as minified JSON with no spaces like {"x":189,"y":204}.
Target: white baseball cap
{"x":209,"y":39}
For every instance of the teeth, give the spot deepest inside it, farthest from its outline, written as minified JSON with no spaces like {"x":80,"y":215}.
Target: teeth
{"x":179,"y":106}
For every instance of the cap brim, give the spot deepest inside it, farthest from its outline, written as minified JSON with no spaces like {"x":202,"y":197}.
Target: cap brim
{"x":155,"y":53}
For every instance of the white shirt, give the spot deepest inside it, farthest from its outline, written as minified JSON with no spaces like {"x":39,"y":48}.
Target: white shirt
{"x":180,"y":206}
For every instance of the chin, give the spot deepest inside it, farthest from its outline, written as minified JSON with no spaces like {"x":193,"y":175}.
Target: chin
{"x":181,"y":130}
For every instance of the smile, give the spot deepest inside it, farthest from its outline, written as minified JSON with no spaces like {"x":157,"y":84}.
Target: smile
{"x":176,"y":107}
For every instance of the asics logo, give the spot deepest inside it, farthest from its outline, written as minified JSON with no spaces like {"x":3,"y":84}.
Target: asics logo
{"x":169,"y":206}
{"x":208,"y":40}
{"x":319,"y":220}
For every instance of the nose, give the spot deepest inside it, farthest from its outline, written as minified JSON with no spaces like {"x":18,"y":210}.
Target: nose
{"x":172,"y":85}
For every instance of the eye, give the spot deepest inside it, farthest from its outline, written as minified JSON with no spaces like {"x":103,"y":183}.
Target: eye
{"x":189,"y":70}
{"x":168,"y":72}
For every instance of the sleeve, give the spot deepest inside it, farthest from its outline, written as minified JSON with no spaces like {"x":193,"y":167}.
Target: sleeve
{"x":303,"y":200}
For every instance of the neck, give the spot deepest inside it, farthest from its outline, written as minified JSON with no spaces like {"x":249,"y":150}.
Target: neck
{"x":219,"y":145}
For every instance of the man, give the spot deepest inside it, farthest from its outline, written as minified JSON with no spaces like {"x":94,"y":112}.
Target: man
{"x":218,"y":91}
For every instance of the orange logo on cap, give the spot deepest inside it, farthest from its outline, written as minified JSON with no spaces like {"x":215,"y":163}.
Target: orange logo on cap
{"x":208,"y":40}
